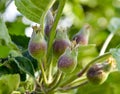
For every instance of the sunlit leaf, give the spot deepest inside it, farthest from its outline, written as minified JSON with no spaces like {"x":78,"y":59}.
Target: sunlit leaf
{"x":17,"y":27}
{"x":34,"y":9}
{"x":4,"y":51}
{"x":6,"y":43}
{"x":4,"y":36}
{"x":9,"y":83}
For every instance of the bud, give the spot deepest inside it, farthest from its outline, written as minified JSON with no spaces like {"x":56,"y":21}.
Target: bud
{"x":83,"y":35}
{"x":98,"y":73}
{"x":68,"y":61}
{"x":61,"y":42}
{"x":37,"y":45}
{"x":49,"y":23}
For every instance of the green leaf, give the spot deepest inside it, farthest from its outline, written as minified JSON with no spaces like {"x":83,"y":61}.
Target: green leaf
{"x":8,"y":66}
{"x":5,"y":39}
{"x":9,"y":83}
{"x":4,"y":70}
{"x":34,"y":9}
{"x":25,"y":65}
{"x":33,"y":61}
{"x":20,"y":41}
{"x":4,"y":51}
{"x":3,"y":5}
{"x":17,"y":27}
{"x":116,"y":54}
{"x":4,"y":36}
{"x":14,"y":69}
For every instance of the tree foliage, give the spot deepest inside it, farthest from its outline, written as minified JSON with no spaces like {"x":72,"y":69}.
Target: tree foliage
{"x":20,"y":72}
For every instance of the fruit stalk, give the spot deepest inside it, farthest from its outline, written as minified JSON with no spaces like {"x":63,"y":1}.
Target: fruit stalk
{"x":43,"y":72}
{"x":106,"y":43}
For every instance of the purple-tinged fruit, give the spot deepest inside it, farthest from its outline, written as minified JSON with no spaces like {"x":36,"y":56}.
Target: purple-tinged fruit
{"x":68,"y":61}
{"x":82,"y":36}
{"x":61,"y":42}
{"x":37,"y":45}
{"x":98,"y":73}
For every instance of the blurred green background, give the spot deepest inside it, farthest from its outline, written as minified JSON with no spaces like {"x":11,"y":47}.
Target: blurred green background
{"x":97,"y":13}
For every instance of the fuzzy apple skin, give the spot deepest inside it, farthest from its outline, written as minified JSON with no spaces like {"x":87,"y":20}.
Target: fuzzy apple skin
{"x":67,"y":62}
{"x":61,"y":42}
{"x":37,"y":50}
{"x":59,"y":46}
{"x":80,"y":39}
{"x":82,"y":36}
{"x":96,"y":74}
{"x":37,"y":46}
